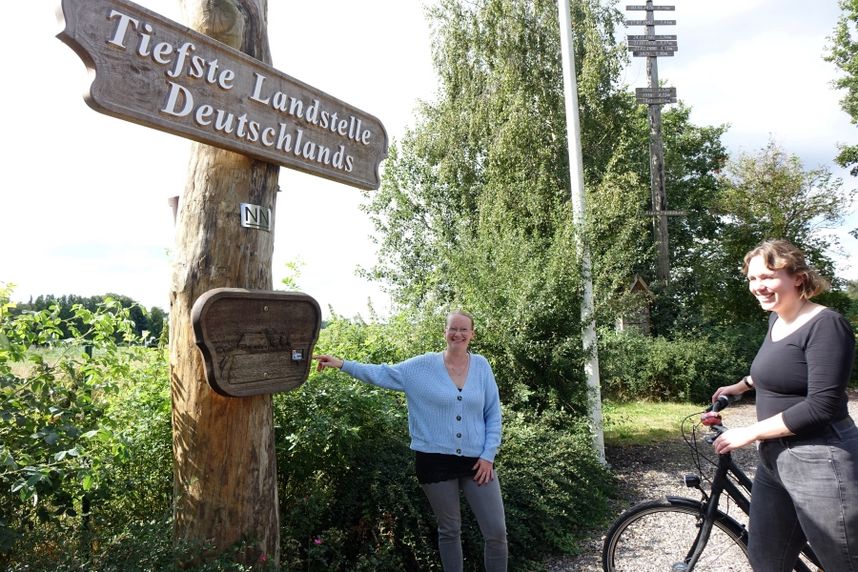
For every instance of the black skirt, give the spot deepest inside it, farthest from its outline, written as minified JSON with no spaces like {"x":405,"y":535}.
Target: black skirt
{"x":437,"y":467}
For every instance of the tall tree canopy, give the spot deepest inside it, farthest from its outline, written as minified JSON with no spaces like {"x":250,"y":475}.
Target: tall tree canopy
{"x":474,"y":208}
{"x":770,"y":194}
{"x":843,"y":53}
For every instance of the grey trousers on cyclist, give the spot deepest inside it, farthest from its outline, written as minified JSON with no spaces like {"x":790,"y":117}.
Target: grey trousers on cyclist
{"x":806,"y":489}
{"x":487,"y":505}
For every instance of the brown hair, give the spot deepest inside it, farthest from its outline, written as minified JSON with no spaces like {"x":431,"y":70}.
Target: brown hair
{"x":779,"y":254}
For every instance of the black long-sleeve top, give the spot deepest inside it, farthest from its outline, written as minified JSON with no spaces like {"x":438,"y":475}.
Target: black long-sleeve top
{"x":804,"y":375}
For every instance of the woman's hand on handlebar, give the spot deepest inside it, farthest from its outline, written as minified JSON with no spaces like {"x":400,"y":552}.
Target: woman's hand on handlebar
{"x":736,"y":389}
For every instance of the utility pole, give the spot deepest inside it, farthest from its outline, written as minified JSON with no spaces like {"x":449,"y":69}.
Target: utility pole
{"x":576,"y":181}
{"x":651,"y":46}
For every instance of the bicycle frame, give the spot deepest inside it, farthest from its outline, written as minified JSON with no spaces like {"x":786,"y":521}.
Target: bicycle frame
{"x":728,"y":478}
{"x":721,"y":483}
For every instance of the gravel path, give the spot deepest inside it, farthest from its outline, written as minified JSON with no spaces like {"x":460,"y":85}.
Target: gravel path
{"x":648,"y":472}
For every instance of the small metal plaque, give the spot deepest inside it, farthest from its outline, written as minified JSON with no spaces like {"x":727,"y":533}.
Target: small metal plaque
{"x":255,"y":342}
{"x":255,"y":216}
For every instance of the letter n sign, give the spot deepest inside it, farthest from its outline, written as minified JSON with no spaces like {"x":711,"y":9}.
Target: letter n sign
{"x":255,"y":216}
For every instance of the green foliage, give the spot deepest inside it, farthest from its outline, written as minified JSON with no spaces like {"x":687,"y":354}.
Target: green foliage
{"x":843,"y":52}
{"x":474,"y":209}
{"x":149,"y":325}
{"x":84,"y":428}
{"x":686,"y":368}
{"x":348,"y":497}
{"x":554,"y":486}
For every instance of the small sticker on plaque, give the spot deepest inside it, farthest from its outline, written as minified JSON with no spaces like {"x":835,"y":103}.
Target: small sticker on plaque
{"x":255,"y":216}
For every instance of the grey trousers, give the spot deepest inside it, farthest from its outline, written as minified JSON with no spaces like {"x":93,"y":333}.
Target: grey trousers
{"x":486,"y":503}
{"x":806,"y":489}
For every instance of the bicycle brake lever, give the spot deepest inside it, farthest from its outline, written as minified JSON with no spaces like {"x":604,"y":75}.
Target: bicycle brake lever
{"x":717,"y":429}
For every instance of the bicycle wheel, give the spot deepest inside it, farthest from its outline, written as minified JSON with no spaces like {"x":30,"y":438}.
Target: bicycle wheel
{"x":659,"y":535}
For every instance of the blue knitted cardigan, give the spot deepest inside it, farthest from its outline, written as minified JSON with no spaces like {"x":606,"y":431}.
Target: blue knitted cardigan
{"x":441,"y":418}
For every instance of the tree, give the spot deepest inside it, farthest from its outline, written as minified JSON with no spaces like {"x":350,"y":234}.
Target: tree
{"x":474,"y":208}
{"x":770,"y":195}
{"x":843,"y":53}
{"x":148,"y":325}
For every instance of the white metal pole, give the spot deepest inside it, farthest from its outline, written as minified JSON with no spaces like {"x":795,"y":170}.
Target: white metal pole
{"x":576,"y":178}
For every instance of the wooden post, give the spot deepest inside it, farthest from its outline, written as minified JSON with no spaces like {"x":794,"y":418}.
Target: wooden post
{"x":225,"y":472}
{"x":651,"y":46}
{"x":656,"y":169}
{"x":211,"y":81}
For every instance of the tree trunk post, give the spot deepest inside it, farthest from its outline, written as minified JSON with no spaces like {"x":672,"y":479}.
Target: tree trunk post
{"x":225,"y":471}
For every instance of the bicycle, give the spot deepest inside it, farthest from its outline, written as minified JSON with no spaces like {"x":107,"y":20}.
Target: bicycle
{"x":680,"y":534}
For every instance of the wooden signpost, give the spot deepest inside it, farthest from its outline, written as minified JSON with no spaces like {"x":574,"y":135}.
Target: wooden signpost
{"x":652,"y":46}
{"x":212,"y":82}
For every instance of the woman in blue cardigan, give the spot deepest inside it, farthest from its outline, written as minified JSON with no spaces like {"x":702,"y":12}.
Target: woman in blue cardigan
{"x":454,"y":419}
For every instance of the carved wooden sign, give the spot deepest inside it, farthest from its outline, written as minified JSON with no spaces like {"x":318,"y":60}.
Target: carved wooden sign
{"x":158,"y":73}
{"x":255,"y":342}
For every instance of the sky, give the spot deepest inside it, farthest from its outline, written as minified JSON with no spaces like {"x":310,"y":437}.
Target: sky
{"x":85,"y":196}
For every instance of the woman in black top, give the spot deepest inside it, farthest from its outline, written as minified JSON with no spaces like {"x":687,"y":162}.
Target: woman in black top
{"x":806,"y":483}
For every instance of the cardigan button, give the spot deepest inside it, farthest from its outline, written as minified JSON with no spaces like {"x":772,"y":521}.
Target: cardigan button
{"x":458,"y":417}
{"x":459,"y":397}
{"x":459,"y":435}
{"x":458,"y":451}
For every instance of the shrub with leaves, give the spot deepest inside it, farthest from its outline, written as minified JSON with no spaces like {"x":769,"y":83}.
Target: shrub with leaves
{"x":686,"y":368}
{"x":74,"y":414}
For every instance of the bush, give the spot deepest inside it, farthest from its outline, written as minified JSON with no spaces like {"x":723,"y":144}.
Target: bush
{"x":86,"y":446}
{"x":687,"y":368}
{"x":349,"y":499}
{"x":554,"y":486}
{"x":84,"y":432}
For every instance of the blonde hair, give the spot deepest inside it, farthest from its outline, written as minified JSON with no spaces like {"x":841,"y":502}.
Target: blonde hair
{"x":778,"y":254}
{"x":460,"y":313}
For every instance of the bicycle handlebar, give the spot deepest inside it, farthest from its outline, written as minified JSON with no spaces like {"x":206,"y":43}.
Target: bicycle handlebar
{"x":714,"y":423}
{"x":723,"y":402}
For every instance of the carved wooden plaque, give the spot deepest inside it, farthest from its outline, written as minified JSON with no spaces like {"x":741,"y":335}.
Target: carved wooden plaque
{"x":255,"y":342}
{"x":158,"y":73}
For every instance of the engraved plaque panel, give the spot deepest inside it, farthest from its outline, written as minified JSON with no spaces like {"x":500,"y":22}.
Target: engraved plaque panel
{"x":255,"y":342}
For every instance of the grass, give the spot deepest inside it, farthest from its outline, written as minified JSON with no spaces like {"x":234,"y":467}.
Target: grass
{"x":644,"y":422}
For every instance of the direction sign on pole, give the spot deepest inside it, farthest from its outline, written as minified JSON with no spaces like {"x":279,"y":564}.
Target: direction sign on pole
{"x":631,"y":37}
{"x":649,"y":42}
{"x":652,"y":23}
{"x":649,"y":8}
{"x":652,"y":48}
{"x":655,"y":92}
{"x":637,"y":54}
{"x":655,"y":96}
